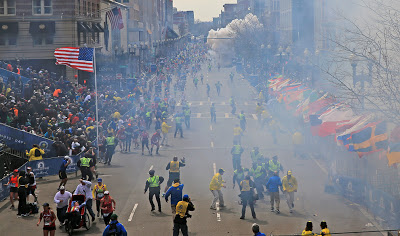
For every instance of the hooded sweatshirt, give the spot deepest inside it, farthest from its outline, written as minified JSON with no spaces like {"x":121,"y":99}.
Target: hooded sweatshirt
{"x":176,"y":193}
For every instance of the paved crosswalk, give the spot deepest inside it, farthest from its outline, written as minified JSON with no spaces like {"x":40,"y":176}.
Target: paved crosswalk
{"x":208,"y":103}
{"x":207,"y":115}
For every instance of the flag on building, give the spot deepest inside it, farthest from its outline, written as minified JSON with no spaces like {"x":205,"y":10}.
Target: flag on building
{"x":115,"y":17}
{"x":77,"y":58}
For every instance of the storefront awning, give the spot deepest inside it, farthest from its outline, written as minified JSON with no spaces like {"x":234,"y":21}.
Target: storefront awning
{"x":47,"y":27}
{"x":8,"y":28}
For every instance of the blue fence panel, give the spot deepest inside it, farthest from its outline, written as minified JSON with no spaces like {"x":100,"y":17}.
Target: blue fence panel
{"x":21,"y":140}
{"x":5,"y":74}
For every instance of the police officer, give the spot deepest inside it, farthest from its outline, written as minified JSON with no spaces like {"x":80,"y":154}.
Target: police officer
{"x":243,"y":121}
{"x":174,"y":171}
{"x":84,"y":164}
{"x":111,"y":143}
{"x":148,"y":119}
{"x":178,"y":125}
{"x":246,"y":194}
{"x":238,"y":176}
{"x":233,"y":105}
{"x":153,"y":184}
{"x":236,"y":152}
{"x":274,"y":166}
{"x":255,"y":155}
{"x":258,"y":174}
{"x":187,"y":113}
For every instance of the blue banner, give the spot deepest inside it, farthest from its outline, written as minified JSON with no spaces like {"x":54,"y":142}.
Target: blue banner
{"x":21,"y":141}
{"x":41,"y":168}
{"x":5,"y":74}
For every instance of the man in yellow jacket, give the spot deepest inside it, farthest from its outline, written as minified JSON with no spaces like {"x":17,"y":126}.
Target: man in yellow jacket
{"x":35,"y":153}
{"x":289,"y":185}
{"x":164,"y":129}
{"x":215,"y":186}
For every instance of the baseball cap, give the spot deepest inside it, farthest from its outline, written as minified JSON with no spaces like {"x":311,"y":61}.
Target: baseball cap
{"x":289,"y":172}
{"x":221,"y":170}
{"x":114,"y":217}
{"x":29,"y":168}
{"x":99,"y":180}
{"x":185,"y":196}
{"x":15,"y":171}
{"x":62,"y":187}
{"x":46,"y":204}
{"x":106,"y":193}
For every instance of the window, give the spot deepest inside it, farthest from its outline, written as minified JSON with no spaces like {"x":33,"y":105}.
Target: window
{"x":7,"y":7}
{"x":42,"y":39}
{"x":8,"y":39}
{"x":42,"y":7}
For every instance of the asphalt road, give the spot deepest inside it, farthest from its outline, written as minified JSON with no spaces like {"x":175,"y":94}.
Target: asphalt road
{"x":206,"y":148}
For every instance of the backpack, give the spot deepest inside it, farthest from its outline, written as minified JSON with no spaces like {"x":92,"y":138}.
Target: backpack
{"x":33,"y":208}
{"x":113,"y":230}
{"x":37,"y":152}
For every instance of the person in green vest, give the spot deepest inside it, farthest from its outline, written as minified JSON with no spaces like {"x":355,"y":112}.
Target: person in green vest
{"x":274,"y":166}
{"x":233,"y":105}
{"x":258,"y":173}
{"x":238,"y":176}
{"x":111,"y":143}
{"x":236,"y":152}
{"x":255,"y":155}
{"x":153,"y":185}
{"x":178,"y":124}
{"x":242,"y":119}
{"x":84,"y":165}
{"x":246,"y":194}
{"x":187,"y":113}
{"x":148,"y":119}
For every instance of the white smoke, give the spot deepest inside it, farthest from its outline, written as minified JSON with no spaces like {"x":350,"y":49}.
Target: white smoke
{"x":221,"y":40}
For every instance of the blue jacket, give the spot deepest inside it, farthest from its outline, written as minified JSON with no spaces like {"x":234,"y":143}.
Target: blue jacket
{"x":120,"y":229}
{"x":273,"y":184}
{"x":176,"y":193}
{"x":259,"y":234}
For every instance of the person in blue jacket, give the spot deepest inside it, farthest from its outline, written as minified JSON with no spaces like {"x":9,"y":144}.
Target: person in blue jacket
{"x":176,"y":195}
{"x":256,"y":230}
{"x":273,"y":185}
{"x":115,"y":228}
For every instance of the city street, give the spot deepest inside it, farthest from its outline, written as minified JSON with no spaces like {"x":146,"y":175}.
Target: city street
{"x":207,"y":148}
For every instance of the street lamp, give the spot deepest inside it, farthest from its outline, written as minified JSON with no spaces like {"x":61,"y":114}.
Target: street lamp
{"x":362,"y":78}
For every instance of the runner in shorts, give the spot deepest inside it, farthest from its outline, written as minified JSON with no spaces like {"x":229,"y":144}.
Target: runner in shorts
{"x":62,"y":173}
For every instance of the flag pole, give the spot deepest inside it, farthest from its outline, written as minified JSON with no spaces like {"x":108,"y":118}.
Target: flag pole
{"x":97,"y":108}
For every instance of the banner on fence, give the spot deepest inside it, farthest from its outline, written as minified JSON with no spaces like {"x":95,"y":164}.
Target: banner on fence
{"x":21,"y":140}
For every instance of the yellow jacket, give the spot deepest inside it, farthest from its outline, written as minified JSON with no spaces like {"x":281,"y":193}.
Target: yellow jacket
{"x":237,"y":131}
{"x":165,"y":127}
{"x":259,"y":109}
{"x":297,"y":138}
{"x":289,"y":185}
{"x":31,"y":154}
{"x":96,"y":189}
{"x":307,"y":233}
{"x":216,"y":182}
{"x":325,"y":232}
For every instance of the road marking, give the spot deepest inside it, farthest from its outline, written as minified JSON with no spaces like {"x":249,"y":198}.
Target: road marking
{"x":246,"y":103}
{"x":255,"y":116}
{"x":218,"y":215}
{"x":105,"y":175}
{"x":209,"y":99}
{"x":222,"y":103}
{"x":320,"y":166}
{"x":215,"y":168}
{"x":211,"y":127}
{"x":190,"y":103}
{"x":212,"y":144}
{"x":226,"y":115}
{"x":198,"y":115}
{"x":132,"y":213}
{"x":151,"y":167}
{"x":201,"y":103}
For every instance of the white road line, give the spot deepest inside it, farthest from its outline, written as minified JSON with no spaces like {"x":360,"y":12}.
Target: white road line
{"x":215,"y":168}
{"x":209,"y":99}
{"x":218,"y":215}
{"x":212,"y":144}
{"x":151,"y":167}
{"x":226,"y":115}
{"x":211,"y":127}
{"x":190,"y":103}
{"x":132,"y":213}
{"x":255,"y":116}
{"x":246,"y":103}
{"x":222,"y":103}
{"x":201,"y":103}
{"x":198,"y":115}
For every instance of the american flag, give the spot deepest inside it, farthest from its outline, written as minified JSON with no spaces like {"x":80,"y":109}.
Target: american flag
{"x":115,"y":17}
{"x":77,"y":58}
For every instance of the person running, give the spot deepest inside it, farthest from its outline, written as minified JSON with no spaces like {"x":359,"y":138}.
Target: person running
{"x":258,"y":173}
{"x":324,"y":229}
{"x":187,"y":113}
{"x":195,"y":81}
{"x":49,"y":220}
{"x":242,"y":119}
{"x":111,"y":143}
{"x":153,"y":185}
{"x":174,"y":170}
{"x":246,"y":194}
{"x":273,"y":185}
{"x":215,"y":187}
{"x":84,"y":188}
{"x":308,"y":230}
{"x":22,"y":189}
{"x":98,"y":193}
{"x":256,"y":230}
{"x":30,"y":176}
{"x":155,"y":141}
{"x":115,"y":228}
{"x":236,"y":153}
{"x":144,"y":137}
{"x":121,"y":136}
{"x":213,"y":113}
{"x":62,"y":172}
{"x":182,"y":213}
{"x":61,"y":199}
{"x":201,"y":78}
{"x":231,"y":75}
{"x":232,"y":103}
{"x":237,"y":134}
{"x":289,"y":184}
{"x":178,"y":124}
{"x":165,"y":129}
{"x":128,"y":139}
{"x":208,"y":90}
{"x":13,"y":183}
{"x":176,"y":195}
{"x":218,"y":86}
{"x":107,"y":208}
{"x":238,"y":176}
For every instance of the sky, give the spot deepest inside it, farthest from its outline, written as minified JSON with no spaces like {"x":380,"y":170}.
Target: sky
{"x":204,"y":10}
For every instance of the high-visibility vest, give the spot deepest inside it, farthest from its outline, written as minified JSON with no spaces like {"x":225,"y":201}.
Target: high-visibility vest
{"x":85,"y":162}
{"x":239,"y":175}
{"x":154,"y":181}
{"x":236,"y":150}
{"x":274,"y":167}
{"x":241,"y":117}
{"x":181,"y":208}
{"x":110,"y":141}
{"x":255,"y":157}
{"x":148,"y":114}
{"x":174,"y":166}
{"x":237,"y":131}
{"x":178,"y":120}
{"x":245,"y":184}
{"x":187,"y":112}
{"x":257,"y":172}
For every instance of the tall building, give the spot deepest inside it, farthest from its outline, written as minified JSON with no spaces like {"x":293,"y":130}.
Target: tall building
{"x":325,"y":25}
{"x":297,"y":23}
{"x":229,"y":14}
